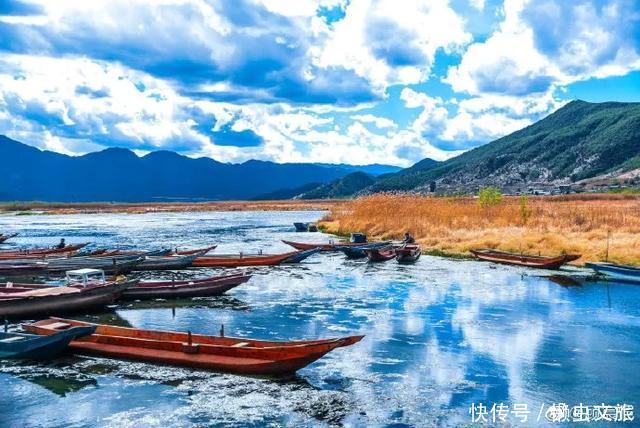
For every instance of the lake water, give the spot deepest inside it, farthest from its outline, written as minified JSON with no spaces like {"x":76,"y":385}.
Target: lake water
{"x":441,"y":336}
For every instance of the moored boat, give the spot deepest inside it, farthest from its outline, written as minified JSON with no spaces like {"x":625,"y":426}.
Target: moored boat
{"x":615,"y":272}
{"x":241,"y":260}
{"x":408,"y":253}
{"x":112,"y":265}
{"x":63,"y":299}
{"x":541,"y":262}
{"x":206,"y":287}
{"x":166,"y":262}
{"x":39,"y":252}
{"x":35,"y":347}
{"x":359,"y":252}
{"x":218,"y":353}
{"x":301,"y":227}
{"x":380,"y":254}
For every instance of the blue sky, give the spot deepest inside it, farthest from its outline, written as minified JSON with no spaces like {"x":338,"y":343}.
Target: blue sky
{"x":341,"y":81}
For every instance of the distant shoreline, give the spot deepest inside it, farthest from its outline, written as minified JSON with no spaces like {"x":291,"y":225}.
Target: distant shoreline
{"x":61,"y":208}
{"x":545,"y":225}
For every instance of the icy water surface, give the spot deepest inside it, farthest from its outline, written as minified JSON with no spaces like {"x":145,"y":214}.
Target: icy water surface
{"x":440,"y":336}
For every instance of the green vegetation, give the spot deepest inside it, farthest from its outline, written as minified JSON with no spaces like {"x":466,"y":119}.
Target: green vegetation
{"x":580,"y":140}
{"x":489,"y":197}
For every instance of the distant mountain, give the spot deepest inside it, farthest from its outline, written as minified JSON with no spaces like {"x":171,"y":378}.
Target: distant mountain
{"x":286,"y":193}
{"x":372,"y":169}
{"x":344,"y":187}
{"x":120,"y":175}
{"x":578,"y":141}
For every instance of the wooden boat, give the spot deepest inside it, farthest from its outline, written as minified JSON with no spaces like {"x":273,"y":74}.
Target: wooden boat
{"x":166,"y":262}
{"x":541,"y":262}
{"x":40,"y":251}
{"x":34,"y":347}
{"x":207,"y":287}
{"x":380,"y":254}
{"x":219,"y":353}
{"x":53,"y":300}
{"x":360,"y":251}
{"x":9,"y":269}
{"x":240,"y":260}
{"x":301,"y":227}
{"x":113,"y":265}
{"x":615,"y":272}
{"x":408,"y":253}
{"x":331,"y":246}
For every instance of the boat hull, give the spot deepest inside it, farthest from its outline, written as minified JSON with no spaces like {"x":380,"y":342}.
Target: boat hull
{"x":376,"y":255}
{"x":17,"y":307}
{"x":40,"y":347}
{"x":154,"y":263}
{"x":408,"y":254}
{"x":539,"y":262}
{"x":614,"y":272}
{"x":184,"y":289}
{"x":251,"y":260}
{"x":224,"y":354}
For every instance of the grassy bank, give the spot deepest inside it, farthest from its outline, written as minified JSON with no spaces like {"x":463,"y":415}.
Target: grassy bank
{"x":25,"y":208}
{"x":542,"y":225}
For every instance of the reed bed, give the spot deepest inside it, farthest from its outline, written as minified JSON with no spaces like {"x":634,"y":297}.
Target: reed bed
{"x":541,"y":225}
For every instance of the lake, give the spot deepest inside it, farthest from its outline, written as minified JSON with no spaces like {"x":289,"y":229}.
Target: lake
{"x":442,"y":337}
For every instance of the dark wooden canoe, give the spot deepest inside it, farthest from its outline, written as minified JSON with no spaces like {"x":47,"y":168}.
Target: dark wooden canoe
{"x":57,"y":300}
{"x":35,"y":347}
{"x":11,"y":269}
{"x":358,"y":252}
{"x":408,"y":254}
{"x":614,"y":272}
{"x":153,"y":263}
{"x":301,"y":227}
{"x":331,"y":246}
{"x":240,"y":260}
{"x":207,"y":287}
{"x":380,"y":254}
{"x":541,"y":262}
{"x":113,"y":265}
{"x":225,"y":354}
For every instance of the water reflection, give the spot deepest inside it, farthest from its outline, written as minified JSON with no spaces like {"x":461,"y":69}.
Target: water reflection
{"x":440,"y":335}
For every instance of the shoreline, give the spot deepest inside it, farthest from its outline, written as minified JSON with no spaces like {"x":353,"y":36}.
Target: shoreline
{"x":63,"y":208}
{"x":599,"y":227}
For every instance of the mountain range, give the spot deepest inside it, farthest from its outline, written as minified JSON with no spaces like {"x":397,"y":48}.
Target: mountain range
{"x":577,"y":143}
{"x":120,"y":175}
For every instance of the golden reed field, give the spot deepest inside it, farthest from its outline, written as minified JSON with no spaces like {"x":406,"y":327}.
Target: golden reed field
{"x":535,"y":225}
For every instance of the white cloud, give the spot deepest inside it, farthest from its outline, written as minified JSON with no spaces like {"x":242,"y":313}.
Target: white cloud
{"x":379,"y":122}
{"x":542,"y":44}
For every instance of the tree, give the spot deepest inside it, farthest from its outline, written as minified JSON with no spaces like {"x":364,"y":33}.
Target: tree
{"x":489,"y":197}
{"x":432,"y":187}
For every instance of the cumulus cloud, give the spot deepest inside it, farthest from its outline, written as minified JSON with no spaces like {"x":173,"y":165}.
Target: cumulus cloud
{"x":545,"y":43}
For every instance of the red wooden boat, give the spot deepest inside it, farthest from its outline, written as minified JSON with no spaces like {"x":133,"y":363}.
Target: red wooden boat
{"x":51,"y":300}
{"x":380,"y":254}
{"x":331,"y":246}
{"x":39,"y":252}
{"x":226,"y":354}
{"x":408,"y":253}
{"x":206,"y":287}
{"x":239,"y":260}
{"x":541,"y":262}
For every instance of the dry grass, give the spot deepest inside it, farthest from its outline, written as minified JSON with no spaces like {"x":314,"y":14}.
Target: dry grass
{"x":141,"y":208}
{"x":569,"y":224}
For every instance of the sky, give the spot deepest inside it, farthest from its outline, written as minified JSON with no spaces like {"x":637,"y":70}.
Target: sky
{"x":333,"y":81}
